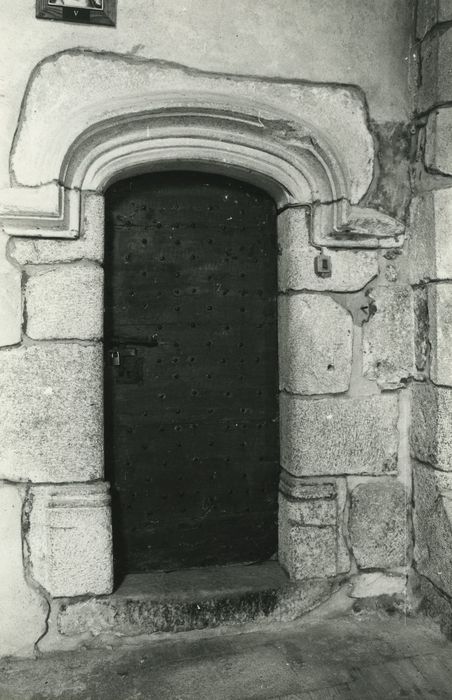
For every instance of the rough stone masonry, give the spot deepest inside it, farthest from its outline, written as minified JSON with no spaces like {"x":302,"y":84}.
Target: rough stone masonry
{"x":364,"y":354}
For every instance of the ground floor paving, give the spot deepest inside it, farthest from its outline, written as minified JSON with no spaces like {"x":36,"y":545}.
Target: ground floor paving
{"x":359,"y":656}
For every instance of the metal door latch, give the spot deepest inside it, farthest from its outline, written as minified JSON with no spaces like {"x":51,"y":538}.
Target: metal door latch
{"x":115,"y":355}
{"x":115,"y":358}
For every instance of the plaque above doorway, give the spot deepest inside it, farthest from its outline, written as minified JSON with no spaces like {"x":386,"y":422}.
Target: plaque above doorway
{"x":82,"y":11}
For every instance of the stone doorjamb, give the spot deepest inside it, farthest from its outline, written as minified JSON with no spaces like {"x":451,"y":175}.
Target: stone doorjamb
{"x":89,"y":119}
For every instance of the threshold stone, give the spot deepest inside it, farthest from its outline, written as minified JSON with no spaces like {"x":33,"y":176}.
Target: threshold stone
{"x":191,"y":599}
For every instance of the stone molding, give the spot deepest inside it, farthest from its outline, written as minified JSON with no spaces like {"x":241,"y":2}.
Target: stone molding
{"x":70,"y":540}
{"x":311,"y":541}
{"x":305,"y":144}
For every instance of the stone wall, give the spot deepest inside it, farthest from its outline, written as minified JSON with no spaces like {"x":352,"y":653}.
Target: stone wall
{"x":347,"y":352}
{"x":57,"y":536}
{"x":346,"y":355}
{"x":431,"y":278}
{"x":347,"y":349}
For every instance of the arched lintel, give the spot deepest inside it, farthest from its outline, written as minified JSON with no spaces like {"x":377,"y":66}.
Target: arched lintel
{"x":217,"y":141}
{"x":296,"y":161}
{"x":293,"y":171}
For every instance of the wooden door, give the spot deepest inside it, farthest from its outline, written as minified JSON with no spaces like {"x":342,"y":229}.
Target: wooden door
{"x":192,"y":446}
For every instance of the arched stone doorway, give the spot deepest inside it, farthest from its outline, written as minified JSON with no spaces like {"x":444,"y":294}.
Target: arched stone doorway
{"x":309,"y":147}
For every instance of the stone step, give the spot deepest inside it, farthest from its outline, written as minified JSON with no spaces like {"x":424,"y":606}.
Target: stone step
{"x":199,"y":601}
{"x":180,"y":601}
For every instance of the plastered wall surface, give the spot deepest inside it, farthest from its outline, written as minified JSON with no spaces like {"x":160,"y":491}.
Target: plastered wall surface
{"x":360,"y":42}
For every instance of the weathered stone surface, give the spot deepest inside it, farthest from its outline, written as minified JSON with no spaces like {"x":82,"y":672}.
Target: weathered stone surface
{"x":182,"y":600}
{"x":90,"y":245}
{"x":433,"y":525}
{"x":440,"y":332}
{"x":23,"y":611}
{"x":68,"y":85}
{"x":306,"y":551}
{"x":432,"y":603}
{"x":21,"y":201}
{"x":316,"y":512}
{"x":431,"y":12}
{"x":376,"y":584}
{"x":438,"y":145}
{"x":137,"y":617}
{"x":51,"y":413}
{"x":421,"y":329}
{"x":70,"y":539}
{"x":310,"y":552}
{"x":10,"y":299}
{"x":343,"y":556}
{"x":310,"y":535}
{"x":339,"y":435}
{"x":65,"y":302}
{"x":388,"y":337}
{"x":431,"y":425}
{"x":315,"y":340}
{"x":351,"y":270}
{"x":436,"y":77}
{"x":378,"y":524}
{"x":392,"y":191}
{"x":10,"y":306}
{"x":430,"y":251}
{"x":307,"y":489}
{"x":317,"y":503}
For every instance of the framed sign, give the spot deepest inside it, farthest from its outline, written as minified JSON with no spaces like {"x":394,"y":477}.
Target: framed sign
{"x":83,"y":11}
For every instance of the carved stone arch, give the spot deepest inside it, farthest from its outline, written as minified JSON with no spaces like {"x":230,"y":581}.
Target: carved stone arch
{"x":88,"y":118}
{"x":205,"y":141}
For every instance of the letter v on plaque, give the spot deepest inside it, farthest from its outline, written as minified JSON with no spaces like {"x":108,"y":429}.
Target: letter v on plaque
{"x":101,"y":12}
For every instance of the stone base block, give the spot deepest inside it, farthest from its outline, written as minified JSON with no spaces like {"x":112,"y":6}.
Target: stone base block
{"x":378,"y":526}
{"x":310,"y":535}
{"x":70,"y":539}
{"x":307,"y":552}
{"x":433,"y":526}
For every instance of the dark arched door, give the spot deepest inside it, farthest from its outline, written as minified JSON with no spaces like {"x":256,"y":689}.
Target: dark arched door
{"x":192,"y":446}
